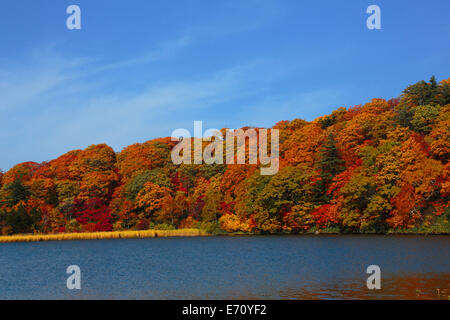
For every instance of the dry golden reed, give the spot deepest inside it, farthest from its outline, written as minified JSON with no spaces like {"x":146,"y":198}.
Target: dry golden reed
{"x":104,"y":235}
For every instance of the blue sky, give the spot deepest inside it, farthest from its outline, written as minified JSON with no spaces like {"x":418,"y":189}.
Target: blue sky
{"x":139,"y":69}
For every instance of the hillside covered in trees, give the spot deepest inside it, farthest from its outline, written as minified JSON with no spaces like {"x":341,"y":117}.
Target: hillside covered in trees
{"x":380,"y":167}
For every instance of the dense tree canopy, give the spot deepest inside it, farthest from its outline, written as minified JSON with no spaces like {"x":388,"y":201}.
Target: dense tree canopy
{"x":378,"y":167}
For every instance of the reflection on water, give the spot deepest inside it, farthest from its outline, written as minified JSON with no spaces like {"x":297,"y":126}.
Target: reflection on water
{"x":427,"y":286}
{"x":256,"y":267}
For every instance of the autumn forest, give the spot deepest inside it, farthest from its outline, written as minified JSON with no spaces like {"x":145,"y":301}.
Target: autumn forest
{"x":381,"y":167}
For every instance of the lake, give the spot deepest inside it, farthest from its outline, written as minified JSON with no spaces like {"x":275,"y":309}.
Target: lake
{"x":229,"y":267}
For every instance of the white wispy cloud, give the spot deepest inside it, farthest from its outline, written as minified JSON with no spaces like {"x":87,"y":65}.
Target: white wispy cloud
{"x":162,"y":51}
{"x":55,"y":104}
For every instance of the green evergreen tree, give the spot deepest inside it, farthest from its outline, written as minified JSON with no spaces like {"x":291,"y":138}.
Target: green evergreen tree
{"x":16,"y":192}
{"x":329,"y":165}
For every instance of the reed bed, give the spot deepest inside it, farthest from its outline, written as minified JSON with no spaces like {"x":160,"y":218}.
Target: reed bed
{"x":104,"y":235}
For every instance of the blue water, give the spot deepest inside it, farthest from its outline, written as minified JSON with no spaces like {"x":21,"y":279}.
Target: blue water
{"x":243,"y":267}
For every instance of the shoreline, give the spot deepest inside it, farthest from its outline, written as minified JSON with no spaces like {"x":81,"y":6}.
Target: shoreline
{"x":142,"y":234}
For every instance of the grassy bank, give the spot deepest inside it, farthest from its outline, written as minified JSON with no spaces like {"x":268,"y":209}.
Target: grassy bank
{"x":182,"y":233}
{"x":104,"y":235}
